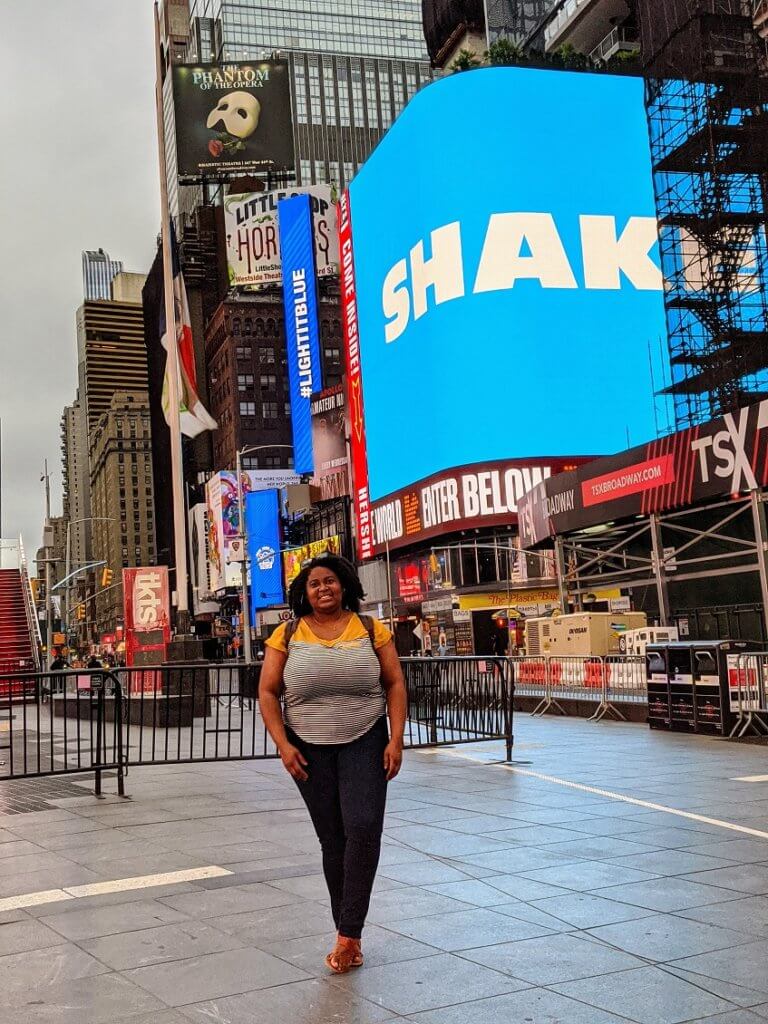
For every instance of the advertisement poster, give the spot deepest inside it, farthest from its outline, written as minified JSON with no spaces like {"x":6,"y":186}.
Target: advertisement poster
{"x":262,"y":518}
{"x":223,"y":518}
{"x":147,"y":614}
{"x":253,"y":241}
{"x":294,"y":558}
{"x":723,"y":457}
{"x":302,"y":330}
{"x":203,"y":598}
{"x":465,"y":280}
{"x":329,"y":442}
{"x":357,"y":441}
{"x":232,"y":118}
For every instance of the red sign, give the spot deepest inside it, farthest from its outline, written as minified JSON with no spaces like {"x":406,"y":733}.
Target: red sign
{"x":462,"y":498}
{"x":360,"y":489}
{"x":642,"y":476}
{"x":147,"y":620}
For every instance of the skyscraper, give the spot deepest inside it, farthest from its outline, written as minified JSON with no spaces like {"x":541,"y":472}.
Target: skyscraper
{"x":98,"y":272}
{"x":353,"y":65}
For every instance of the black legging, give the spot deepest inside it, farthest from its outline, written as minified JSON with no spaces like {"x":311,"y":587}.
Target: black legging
{"x":345,"y":794}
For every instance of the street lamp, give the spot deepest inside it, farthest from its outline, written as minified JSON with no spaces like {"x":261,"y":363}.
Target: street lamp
{"x":245,"y":605}
{"x":68,"y":556}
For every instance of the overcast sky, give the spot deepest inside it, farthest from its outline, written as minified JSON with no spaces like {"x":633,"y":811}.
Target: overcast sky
{"x":78,"y":170}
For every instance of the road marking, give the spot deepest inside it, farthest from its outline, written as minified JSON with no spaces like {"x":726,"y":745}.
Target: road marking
{"x":751,"y":778}
{"x":76,"y":892}
{"x":743,"y":829}
{"x":33,"y":899}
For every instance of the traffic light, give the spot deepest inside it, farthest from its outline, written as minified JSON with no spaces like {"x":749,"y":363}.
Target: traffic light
{"x":35,"y":585}
{"x":80,"y":611}
{"x":107,"y":575}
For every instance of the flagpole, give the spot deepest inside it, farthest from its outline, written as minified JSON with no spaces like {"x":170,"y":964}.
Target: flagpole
{"x":177,"y":469}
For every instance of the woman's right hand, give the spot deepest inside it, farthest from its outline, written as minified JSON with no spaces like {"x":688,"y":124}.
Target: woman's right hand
{"x":294,"y":762}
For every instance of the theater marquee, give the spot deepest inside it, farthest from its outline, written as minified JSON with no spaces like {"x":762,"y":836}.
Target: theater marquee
{"x":464,"y":498}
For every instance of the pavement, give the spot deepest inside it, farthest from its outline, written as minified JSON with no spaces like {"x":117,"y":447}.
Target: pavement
{"x":609,"y":874}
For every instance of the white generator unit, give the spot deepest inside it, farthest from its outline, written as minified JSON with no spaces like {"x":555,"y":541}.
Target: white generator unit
{"x":635,"y":641}
{"x":583,"y":633}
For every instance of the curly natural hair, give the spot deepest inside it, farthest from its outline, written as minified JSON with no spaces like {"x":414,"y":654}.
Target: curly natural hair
{"x":352,"y":592}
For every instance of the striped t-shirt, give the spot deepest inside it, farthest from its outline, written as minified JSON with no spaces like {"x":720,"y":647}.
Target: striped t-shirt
{"x":332,"y":688}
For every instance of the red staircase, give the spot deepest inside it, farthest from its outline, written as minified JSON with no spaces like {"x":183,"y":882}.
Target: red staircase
{"x":16,"y":651}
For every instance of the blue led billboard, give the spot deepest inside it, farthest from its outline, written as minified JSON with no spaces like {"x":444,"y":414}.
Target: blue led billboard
{"x":262,"y":524}
{"x":302,"y":333}
{"x":509,"y":297}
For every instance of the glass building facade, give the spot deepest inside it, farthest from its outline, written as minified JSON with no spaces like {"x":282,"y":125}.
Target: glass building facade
{"x":353,"y":66}
{"x":374,"y":28}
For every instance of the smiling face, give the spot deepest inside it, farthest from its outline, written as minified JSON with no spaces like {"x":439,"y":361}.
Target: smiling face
{"x":324,"y":591}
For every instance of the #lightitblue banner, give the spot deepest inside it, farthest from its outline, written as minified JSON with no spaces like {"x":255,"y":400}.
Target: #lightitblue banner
{"x":262,"y":523}
{"x":301,"y":325}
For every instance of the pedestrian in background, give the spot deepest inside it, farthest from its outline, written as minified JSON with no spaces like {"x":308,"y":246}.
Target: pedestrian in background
{"x":339,"y":675}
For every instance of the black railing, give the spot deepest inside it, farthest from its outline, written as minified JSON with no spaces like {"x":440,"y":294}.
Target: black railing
{"x":458,"y":700}
{"x":60,"y":723}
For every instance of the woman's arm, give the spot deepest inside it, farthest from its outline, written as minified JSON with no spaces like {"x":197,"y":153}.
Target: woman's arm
{"x":270,"y":686}
{"x":397,"y":706}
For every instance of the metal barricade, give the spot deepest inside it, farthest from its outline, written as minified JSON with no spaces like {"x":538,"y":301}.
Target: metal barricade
{"x":747,"y":689}
{"x":458,"y":700}
{"x":69,"y":722}
{"x":60,"y":723}
{"x":606,"y":681}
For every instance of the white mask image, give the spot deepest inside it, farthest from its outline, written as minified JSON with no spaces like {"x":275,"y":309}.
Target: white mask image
{"x":238,"y":112}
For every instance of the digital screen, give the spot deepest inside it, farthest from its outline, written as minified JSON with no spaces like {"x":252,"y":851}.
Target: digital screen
{"x":302,"y":329}
{"x":509,"y":296}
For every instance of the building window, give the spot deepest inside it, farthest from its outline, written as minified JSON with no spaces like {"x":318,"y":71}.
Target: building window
{"x":236,"y":327}
{"x":287,"y":408}
{"x":267,"y":354}
{"x":268,"y":382}
{"x":272,"y":461}
{"x":247,"y":408}
{"x":245,"y":381}
{"x":269,"y":410}
{"x":333,"y":355}
{"x":244,"y":352}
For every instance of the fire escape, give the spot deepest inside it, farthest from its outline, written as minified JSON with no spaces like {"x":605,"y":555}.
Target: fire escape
{"x":706,"y":97}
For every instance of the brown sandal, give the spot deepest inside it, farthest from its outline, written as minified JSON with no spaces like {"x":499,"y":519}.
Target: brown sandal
{"x":345,"y":955}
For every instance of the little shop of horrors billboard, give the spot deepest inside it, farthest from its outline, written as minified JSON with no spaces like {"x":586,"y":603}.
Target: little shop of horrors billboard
{"x":465,"y":498}
{"x":727,"y":456}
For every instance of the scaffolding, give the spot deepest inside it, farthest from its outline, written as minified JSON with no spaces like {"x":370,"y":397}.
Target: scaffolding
{"x":707,"y":106}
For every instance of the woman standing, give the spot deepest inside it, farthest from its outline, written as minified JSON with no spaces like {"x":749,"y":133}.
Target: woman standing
{"x":339,"y":676}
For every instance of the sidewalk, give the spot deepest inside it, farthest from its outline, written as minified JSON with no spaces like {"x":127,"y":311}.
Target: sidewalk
{"x":502,"y":896}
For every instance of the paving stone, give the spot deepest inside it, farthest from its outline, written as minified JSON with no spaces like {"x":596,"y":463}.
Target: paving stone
{"x":213,"y":976}
{"x":20,"y":936}
{"x":745,"y":878}
{"x":534,"y":1006}
{"x":114,"y":919}
{"x":667,"y":894}
{"x":648,"y":995}
{"x":37,"y":969}
{"x":589,"y":875}
{"x":159,"y":945}
{"x":748,"y":916}
{"x":744,"y":965}
{"x":664,"y":937}
{"x":585,"y":910}
{"x":425,"y":984}
{"x":553,"y":958}
{"x":230,"y":900}
{"x":672,"y":862}
{"x":99,"y":1000}
{"x":303,"y":1002}
{"x":466,"y":929}
{"x":380,"y":946}
{"x":265,"y":927}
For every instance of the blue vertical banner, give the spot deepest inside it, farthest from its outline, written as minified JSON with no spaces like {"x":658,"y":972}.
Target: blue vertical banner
{"x":262,"y":524}
{"x":297,"y":248}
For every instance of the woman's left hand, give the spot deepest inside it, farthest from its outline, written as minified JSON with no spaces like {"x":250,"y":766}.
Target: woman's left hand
{"x":393,"y":758}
